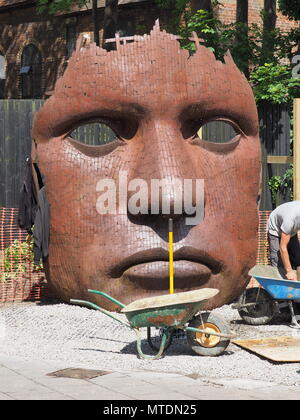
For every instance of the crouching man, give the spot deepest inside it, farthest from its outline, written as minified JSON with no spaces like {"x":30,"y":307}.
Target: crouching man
{"x":283,"y":225}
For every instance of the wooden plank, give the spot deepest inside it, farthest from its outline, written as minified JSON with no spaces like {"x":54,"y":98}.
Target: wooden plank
{"x":297,"y":149}
{"x":279,"y":159}
{"x":13,"y":155}
{"x":8,"y":152}
{"x":277,"y":349}
{"x":23,"y":146}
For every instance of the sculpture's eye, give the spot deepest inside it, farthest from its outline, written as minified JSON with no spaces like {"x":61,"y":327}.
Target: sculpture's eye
{"x":93,"y":134}
{"x":218,"y":132}
{"x":217,"y":135}
{"x":94,"y":139}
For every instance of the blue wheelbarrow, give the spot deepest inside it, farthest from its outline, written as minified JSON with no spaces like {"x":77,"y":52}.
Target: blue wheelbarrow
{"x":259,"y":305}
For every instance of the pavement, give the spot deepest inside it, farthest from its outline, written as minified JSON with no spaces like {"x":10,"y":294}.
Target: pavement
{"x":22,"y":379}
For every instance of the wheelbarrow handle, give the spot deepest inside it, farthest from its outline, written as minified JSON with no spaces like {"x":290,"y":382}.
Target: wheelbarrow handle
{"x":94,"y":306}
{"x":97,"y":292}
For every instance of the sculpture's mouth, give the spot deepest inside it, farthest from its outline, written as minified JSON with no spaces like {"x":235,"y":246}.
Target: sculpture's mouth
{"x":155,"y":275}
{"x":149,"y":269}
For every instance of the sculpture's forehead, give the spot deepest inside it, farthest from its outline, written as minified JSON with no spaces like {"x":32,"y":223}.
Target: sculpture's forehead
{"x":153,"y":70}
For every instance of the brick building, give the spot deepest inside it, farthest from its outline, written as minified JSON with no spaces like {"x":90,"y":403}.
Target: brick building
{"x":34,"y":49}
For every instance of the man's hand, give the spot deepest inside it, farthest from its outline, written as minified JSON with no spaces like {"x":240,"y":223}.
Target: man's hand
{"x":291,"y":275}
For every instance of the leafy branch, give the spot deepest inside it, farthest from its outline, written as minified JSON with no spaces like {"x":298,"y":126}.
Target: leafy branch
{"x":281,"y":184}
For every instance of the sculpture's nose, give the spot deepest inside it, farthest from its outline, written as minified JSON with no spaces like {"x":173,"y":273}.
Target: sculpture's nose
{"x":164,"y":166}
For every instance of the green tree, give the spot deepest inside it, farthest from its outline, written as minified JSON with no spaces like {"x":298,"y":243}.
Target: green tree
{"x":290,"y":8}
{"x":242,"y":35}
{"x":260,"y":48}
{"x":206,"y":5}
{"x":274,"y":83}
{"x":269,"y":27}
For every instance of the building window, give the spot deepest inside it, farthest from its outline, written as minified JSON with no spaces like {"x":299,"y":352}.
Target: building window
{"x":31,"y":72}
{"x":2,"y":75}
{"x":126,"y":26}
{"x":70,"y":39}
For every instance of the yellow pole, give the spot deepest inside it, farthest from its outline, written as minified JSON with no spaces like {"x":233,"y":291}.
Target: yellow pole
{"x":171,"y":268}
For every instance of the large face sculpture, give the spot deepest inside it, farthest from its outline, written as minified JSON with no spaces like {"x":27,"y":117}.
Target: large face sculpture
{"x":155,"y":98}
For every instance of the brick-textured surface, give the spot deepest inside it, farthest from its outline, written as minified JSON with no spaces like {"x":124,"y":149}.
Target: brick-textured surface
{"x":154,"y":96}
{"x":228,"y":14}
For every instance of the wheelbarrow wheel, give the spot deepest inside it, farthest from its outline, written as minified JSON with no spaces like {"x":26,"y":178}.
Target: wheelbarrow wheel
{"x":263,"y":310}
{"x":207,"y":344}
{"x":155,"y":340}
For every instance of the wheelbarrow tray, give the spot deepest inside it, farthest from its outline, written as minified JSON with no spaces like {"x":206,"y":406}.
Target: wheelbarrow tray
{"x":271,"y":279}
{"x":172,"y":310}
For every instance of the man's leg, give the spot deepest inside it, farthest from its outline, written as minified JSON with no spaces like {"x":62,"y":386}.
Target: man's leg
{"x":294,"y":251}
{"x":274,"y":250}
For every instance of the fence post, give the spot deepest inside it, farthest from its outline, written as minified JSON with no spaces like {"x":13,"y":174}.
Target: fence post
{"x":297,"y":149}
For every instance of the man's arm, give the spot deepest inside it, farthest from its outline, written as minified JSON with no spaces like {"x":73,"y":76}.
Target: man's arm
{"x":285,"y":239}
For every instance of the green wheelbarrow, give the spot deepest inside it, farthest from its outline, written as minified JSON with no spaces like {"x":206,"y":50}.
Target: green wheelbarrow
{"x":207,"y":334}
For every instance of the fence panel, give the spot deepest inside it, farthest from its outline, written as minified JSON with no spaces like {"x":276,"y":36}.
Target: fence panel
{"x":275,"y":138}
{"x":218,"y":132}
{"x":15,"y":144}
{"x":93,"y":134}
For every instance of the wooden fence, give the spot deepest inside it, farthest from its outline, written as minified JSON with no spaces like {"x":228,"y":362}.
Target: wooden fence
{"x":275,"y":136}
{"x":15,"y":144}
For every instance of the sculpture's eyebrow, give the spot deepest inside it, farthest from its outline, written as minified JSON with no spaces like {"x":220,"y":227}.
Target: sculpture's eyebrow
{"x":106,"y":109}
{"x":242,"y":119}
{"x":201,"y":111}
{"x":56,"y":117}
{"x":122,"y":109}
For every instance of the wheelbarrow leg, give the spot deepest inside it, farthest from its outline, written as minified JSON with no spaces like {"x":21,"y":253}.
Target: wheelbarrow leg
{"x":164,"y":340}
{"x":294,"y":323}
{"x":151,"y":341}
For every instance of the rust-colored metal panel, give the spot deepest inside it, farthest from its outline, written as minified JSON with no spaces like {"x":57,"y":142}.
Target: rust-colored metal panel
{"x":155,"y":96}
{"x":277,"y":349}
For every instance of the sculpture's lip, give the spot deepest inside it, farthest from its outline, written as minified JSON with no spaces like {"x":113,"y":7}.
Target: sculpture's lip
{"x":154,"y":275}
{"x":185,"y":253}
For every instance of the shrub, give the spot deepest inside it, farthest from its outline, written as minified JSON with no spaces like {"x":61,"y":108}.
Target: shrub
{"x":17,"y":260}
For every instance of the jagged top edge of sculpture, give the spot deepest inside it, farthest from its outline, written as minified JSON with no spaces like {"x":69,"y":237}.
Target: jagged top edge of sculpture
{"x":155,"y":32}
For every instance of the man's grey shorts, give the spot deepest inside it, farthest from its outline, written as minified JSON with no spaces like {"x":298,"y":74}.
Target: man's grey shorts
{"x":293,"y":250}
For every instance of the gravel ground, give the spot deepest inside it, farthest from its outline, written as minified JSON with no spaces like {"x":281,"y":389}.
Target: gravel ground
{"x":80,"y":336}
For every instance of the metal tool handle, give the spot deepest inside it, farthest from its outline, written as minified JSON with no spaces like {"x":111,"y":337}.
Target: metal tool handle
{"x":97,"y":292}
{"x":94,"y":306}
{"x":171,"y":264}
{"x":170,"y":225}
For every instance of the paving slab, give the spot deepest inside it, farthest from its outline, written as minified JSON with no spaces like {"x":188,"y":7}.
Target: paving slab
{"x":29,"y":380}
